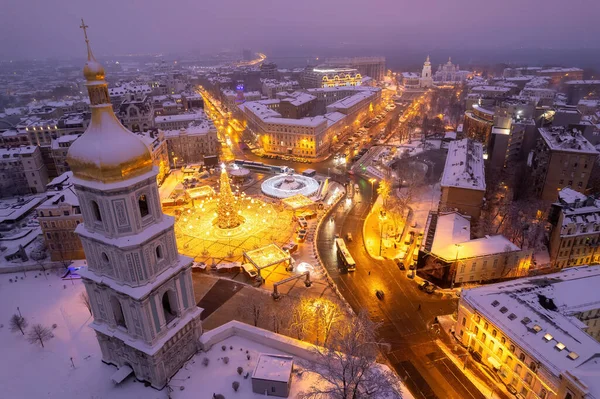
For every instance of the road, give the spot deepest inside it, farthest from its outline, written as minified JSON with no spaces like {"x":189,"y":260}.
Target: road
{"x":405,"y":313}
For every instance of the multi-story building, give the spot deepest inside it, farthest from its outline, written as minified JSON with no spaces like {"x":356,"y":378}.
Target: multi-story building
{"x":558,"y":75}
{"x":581,"y":89}
{"x":157,"y":144}
{"x":192,"y":143}
{"x":136,"y":115}
{"x":575,"y":234}
{"x":535,"y":332}
{"x":60,"y":147}
{"x":463,"y":179}
{"x":509,"y":145}
{"x":410,"y":80}
{"x":478,"y":123}
{"x":330,"y":77}
{"x":270,"y":87}
{"x":449,"y":256}
{"x":59,"y":215}
{"x":373,"y":67}
{"x":192,"y":101}
{"x":22,"y":171}
{"x":268,"y":70}
{"x":175,"y":122}
{"x":491,"y":91}
{"x":561,"y":158}
{"x":296,"y":105}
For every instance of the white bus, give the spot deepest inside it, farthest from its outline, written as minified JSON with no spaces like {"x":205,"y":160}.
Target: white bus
{"x":344,"y":256}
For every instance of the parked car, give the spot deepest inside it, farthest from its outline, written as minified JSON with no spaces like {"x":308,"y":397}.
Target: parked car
{"x":423,"y":285}
{"x":430,"y":289}
{"x":379,"y":294}
{"x":349,"y":236}
{"x":400,"y":263}
{"x":411,"y":274}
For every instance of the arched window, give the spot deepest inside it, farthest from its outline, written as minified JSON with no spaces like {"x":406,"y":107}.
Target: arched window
{"x":118,"y":312}
{"x":168,"y":310}
{"x":143,"y":205}
{"x":159,"y":252}
{"x":522,"y":357}
{"x":104,"y":257}
{"x":96,"y":211}
{"x":543,"y":394}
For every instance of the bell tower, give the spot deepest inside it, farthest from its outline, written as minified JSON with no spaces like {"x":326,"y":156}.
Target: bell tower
{"x":426,"y":78}
{"x":140,"y":288}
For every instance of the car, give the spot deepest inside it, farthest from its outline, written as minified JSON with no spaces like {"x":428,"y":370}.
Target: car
{"x":399,"y":263}
{"x":412,"y":266}
{"x":349,"y":236}
{"x":379,"y":294}
{"x":411,"y":274}
{"x":423,"y":285}
{"x":430,"y":289}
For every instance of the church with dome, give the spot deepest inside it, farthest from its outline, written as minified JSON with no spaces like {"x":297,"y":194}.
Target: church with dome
{"x":140,"y":288}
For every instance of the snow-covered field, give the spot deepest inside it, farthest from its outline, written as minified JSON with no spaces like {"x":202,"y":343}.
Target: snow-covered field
{"x":30,"y":371}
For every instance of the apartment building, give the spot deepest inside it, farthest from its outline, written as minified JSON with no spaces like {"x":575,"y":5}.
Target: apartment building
{"x":463,"y":179}
{"x":59,"y":215}
{"x":561,"y":158}
{"x":575,"y":234}
{"x":534,"y":332}
{"x":22,"y":171}
{"x":192,"y":143}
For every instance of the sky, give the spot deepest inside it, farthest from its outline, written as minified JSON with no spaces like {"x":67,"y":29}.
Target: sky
{"x":41,"y":28}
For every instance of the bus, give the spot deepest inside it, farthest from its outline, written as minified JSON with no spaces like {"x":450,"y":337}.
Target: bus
{"x":261,"y":167}
{"x":344,"y":256}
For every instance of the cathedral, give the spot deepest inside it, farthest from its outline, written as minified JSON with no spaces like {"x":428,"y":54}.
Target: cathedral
{"x":140,"y":288}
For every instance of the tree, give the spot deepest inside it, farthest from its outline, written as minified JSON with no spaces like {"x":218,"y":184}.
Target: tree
{"x":347,"y":367}
{"x":18,"y":323}
{"x":383,"y":190}
{"x":85,"y":299}
{"x":326,"y":314}
{"x":253,"y":308}
{"x":39,"y":334}
{"x":299,"y":320}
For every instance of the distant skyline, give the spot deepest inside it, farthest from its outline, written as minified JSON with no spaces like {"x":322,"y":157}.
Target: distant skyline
{"x":39,"y":29}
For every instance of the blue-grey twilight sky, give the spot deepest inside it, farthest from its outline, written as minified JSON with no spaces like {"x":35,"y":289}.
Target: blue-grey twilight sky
{"x":43,"y":28}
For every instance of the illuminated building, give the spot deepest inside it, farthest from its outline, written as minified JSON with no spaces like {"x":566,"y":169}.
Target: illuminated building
{"x":561,"y":158}
{"x":373,"y":67}
{"x":560,"y":74}
{"x":140,"y":288}
{"x":537,"y":333}
{"x":426,"y":78}
{"x":330,"y":77}
{"x":449,"y":73}
{"x":192,"y":143}
{"x":410,"y":80}
{"x":582,"y":89}
{"x":449,"y":256}
{"x":478,"y":123}
{"x":575,"y":234}
{"x":463,"y":179}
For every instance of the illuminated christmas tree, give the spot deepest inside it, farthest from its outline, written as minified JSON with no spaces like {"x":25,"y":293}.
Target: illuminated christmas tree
{"x":228,"y":215}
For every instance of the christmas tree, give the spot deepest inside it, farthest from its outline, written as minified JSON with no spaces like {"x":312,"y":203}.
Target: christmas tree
{"x":227,"y":205}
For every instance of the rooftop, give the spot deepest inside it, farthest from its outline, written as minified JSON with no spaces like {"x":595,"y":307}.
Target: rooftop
{"x":273,"y":367}
{"x":536,"y":314}
{"x":559,"y":138}
{"x":464,"y":165}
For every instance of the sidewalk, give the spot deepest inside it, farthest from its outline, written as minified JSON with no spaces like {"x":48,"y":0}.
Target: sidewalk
{"x":377,"y":244}
{"x":488,"y":383}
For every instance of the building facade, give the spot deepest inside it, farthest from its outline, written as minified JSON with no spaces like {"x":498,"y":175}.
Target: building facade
{"x":191,"y":144}
{"x":575,"y":233}
{"x":561,"y":158}
{"x":532,"y":333}
{"x":22,"y":171}
{"x":330,"y":77}
{"x":139,"y":286}
{"x":373,"y":67}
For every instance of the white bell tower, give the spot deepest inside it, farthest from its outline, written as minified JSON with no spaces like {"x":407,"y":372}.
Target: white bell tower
{"x":426,"y":78}
{"x":140,"y":288}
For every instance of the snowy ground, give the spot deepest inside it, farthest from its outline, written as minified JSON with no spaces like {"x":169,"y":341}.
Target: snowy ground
{"x":425,"y":199}
{"x":30,"y":371}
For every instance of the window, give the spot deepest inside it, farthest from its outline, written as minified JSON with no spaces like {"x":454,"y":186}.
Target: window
{"x":533,"y":366}
{"x":476,"y":331}
{"x":104,"y":257}
{"x":96,"y":211}
{"x":494,"y":332}
{"x":486,"y":325}
{"x":543,"y":394}
{"x":159,"y":252}
{"x":569,"y":395}
{"x":502,"y":340}
{"x":512,"y":348}
{"x":118,"y":312}
{"x":143,"y":205}
{"x":168,"y":310}
{"x":522,"y":357}
{"x":464,"y":321}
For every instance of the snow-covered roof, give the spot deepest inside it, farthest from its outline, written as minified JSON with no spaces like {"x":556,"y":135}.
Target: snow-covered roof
{"x":188,"y":116}
{"x":349,"y":101}
{"x":464,"y":165}
{"x":583,"y":82}
{"x":491,"y":88}
{"x":298,"y":98}
{"x":273,"y":367}
{"x":452,"y":240}
{"x":559,"y":138}
{"x":536,"y":313}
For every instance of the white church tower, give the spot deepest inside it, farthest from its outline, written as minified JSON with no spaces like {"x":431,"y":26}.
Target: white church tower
{"x":426,"y":78}
{"x":140,"y":288}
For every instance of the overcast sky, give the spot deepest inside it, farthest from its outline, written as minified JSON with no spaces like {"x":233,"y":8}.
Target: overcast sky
{"x":42,"y":28}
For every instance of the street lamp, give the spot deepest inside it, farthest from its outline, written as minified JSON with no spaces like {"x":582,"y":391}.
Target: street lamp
{"x":455,"y":265}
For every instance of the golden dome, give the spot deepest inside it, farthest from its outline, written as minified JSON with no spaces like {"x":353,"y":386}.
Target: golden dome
{"x":108,"y":152}
{"x":93,"y":70}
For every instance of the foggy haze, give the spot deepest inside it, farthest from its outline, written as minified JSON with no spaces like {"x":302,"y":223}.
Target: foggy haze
{"x":39,"y":29}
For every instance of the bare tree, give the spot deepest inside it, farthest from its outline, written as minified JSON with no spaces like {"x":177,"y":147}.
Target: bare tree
{"x":85,"y":299}
{"x":299,"y":323}
{"x":347,"y":367}
{"x":253,"y":308}
{"x":326,"y":314}
{"x":39,"y":334}
{"x":18,"y":323}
